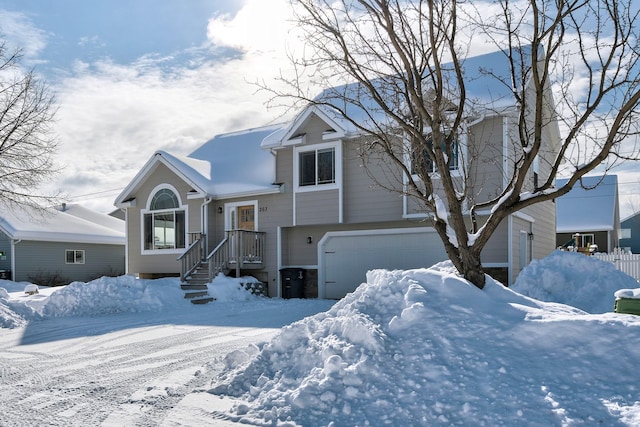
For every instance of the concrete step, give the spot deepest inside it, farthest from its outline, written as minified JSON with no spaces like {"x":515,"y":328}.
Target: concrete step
{"x":191,"y":295}
{"x":202,"y":300}
{"x":194,"y":287}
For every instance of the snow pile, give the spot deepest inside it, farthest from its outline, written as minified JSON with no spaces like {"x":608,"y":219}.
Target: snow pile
{"x":424,"y":347}
{"x":628,"y":293}
{"x":572,"y":278}
{"x":224,"y":288}
{"x":112,"y":295}
{"x":109,"y":295}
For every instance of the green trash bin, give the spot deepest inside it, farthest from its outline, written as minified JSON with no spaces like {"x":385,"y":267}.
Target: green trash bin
{"x":627,"y":301}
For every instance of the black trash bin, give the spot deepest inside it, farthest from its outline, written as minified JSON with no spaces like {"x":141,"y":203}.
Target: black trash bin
{"x":5,"y":274}
{"x":292,"y":282}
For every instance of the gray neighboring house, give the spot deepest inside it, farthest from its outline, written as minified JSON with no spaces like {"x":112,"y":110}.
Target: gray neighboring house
{"x":631,"y":227}
{"x":292,"y":203}
{"x":69,"y":241}
{"x":591,"y":210}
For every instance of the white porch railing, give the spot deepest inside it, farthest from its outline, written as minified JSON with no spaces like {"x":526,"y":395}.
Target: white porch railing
{"x":625,"y":262}
{"x":240,"y":249}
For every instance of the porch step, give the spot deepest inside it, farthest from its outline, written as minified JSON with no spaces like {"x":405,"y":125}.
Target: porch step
{"x":198,"y":294}
{"x":193,"y":287}
{"x":202,"y":300}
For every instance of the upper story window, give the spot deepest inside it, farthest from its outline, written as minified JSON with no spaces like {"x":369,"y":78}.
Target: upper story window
{"x":317,"y":167}
{"x":421,"y":158}
{"x":164,"y":224}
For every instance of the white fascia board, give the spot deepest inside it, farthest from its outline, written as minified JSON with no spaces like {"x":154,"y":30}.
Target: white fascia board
{"x":196,"y":195}
{"x":249,"y":193}
{"x":142,"y":175}
{"x":136,"y":181}
{"x":71,"y":238}
{"x":131,"y":203}
{"x":301,"y":119}
{"x":519,"y":215}
{"x":578,"y":229}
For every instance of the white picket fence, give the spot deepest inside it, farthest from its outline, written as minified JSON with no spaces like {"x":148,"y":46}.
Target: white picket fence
{"x":625,"y":262}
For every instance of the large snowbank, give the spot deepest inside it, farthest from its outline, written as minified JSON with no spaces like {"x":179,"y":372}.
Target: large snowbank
{"x":107,"y":295}
{"x":424,"y":347}
{"x":572,"y":278}
{"x":417,"y":347}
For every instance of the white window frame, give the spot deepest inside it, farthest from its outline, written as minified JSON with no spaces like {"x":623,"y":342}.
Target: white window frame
{"x":231,"y":209}
{"x":75,"y":256}
{"x":582,"y":243}
{"x":147,"y":210}
{"x":461,"y":141}
{"x":337,"y":151}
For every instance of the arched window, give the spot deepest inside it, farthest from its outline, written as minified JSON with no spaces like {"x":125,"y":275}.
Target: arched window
{"x":164,"y":224}
{"x":164,"y":199}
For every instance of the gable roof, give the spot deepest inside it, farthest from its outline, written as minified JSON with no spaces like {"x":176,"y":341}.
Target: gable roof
{"x":228,"y":165}
{"x":588,"y":209}
{"x":487,"y":85}
{"x":72,"y":223}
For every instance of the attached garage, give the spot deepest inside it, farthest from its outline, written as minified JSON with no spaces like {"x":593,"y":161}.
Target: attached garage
{"x":345,"y":257}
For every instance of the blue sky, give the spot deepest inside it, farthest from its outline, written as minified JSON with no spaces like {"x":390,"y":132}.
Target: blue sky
{"x":118,"y":29}
{"x":132,"y":77}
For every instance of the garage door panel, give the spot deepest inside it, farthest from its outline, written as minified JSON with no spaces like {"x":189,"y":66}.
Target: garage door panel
{"x":347,"y":258}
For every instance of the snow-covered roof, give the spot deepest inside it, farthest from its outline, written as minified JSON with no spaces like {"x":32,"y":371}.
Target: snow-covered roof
{"x":73,"y":223}
{"x":228,"y":165}
{"x":487,"y":85}
{"x":238,"y":165}
{"x":592,"y":209}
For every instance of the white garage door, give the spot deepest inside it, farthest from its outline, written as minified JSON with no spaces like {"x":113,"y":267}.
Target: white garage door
{"x":345,"y":257}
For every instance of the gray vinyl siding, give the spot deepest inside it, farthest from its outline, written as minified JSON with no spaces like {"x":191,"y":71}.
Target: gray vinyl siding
{"x":364,"y":199}
{"x":297,"y":252}
{"x":317,"y":207}
{"x":544,"y":241}
{"x":34,"y":259}
{"x":158,"y":264}
{"x":496,"y":251}
{"x":485,"y":159}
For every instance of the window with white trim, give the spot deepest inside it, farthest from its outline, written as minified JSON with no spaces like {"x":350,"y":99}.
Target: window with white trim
{"x":73,"y":256}
{"x":164,"y":225}
{"x":317,"y":167}
{"x":422,"y":157}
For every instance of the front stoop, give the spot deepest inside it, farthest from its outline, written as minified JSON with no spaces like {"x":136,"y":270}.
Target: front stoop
{"x":197,"y":293}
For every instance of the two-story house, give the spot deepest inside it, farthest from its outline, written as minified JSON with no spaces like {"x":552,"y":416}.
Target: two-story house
{"x":295,"y":198}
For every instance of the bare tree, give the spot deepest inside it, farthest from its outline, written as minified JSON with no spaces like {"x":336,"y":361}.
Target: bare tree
{"x":27,"y":144}
{"x":408,"y":93}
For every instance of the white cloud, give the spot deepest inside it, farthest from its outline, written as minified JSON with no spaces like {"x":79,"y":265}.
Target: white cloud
{"x":112,"y":117}
{"x":19,"y":32}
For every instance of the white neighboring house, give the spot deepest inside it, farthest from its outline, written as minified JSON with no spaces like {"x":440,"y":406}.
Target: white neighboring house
{"x":68,"y":243}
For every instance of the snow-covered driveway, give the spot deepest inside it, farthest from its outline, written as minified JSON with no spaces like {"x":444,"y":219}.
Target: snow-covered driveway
{"x":128,"y":368}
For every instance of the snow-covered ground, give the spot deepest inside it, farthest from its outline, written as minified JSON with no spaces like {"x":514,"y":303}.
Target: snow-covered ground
{"x":418,"y":347}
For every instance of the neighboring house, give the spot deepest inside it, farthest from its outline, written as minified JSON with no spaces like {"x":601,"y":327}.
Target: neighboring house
{"x":293,"y":203}
{"x":592,"y":211}
{"x":630,"y":227}
{"x":69,"y":243}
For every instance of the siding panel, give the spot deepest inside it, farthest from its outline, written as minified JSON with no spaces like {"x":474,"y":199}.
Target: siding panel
{"x":46,"y":258}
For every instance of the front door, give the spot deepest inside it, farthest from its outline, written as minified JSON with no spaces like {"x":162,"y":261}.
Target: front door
{"x":246,"y":217}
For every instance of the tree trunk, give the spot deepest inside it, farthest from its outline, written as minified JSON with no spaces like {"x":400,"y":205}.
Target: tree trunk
{"x":472,"y":267}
